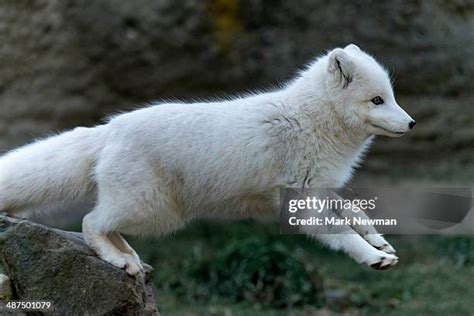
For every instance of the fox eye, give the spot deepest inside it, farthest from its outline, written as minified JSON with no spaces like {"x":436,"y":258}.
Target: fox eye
{"x":377,"y":100}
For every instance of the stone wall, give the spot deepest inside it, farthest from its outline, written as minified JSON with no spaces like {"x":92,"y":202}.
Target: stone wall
{"x":67,"y":62}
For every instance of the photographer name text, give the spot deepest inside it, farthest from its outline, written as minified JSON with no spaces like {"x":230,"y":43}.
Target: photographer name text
{"x":347,"y":221}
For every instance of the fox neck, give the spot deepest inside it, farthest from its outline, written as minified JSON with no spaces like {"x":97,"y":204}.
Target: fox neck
{"x":307,"y":99}
{"x":327,"y":143}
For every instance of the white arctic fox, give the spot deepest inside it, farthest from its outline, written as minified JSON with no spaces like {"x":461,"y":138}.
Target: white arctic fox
{"x":155,"y":169}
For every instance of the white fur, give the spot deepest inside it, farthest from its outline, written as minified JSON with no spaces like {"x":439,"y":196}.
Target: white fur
{"x":155,"y":169}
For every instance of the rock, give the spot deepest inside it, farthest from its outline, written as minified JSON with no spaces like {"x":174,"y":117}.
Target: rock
{"x":5,"y":288}
{"x":53,"y":265}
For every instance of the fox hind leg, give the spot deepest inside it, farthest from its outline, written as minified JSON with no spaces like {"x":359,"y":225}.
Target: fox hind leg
{"x":109,"y":245}
{"x":131,"y":199}
{"x":122,"y":244}
{"x":133,"y":260}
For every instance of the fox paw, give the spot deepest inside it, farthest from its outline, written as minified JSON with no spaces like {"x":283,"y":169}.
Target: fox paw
{"x":384,"y":262}
{"x":387,"y":248}
{"x":116,"y":261}
{"x":133,"y":265}
{"x":378,"y":242}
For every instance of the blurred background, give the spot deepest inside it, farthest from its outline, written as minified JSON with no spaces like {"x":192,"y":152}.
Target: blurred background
{"x":65,"y":63}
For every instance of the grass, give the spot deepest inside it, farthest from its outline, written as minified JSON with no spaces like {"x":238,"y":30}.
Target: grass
{"x":434,"y":275}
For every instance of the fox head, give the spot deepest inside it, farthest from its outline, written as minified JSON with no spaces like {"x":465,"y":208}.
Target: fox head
{"x":361,"y":93}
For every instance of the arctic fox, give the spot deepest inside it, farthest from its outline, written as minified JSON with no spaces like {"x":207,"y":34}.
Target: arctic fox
{"x":154,"y":169}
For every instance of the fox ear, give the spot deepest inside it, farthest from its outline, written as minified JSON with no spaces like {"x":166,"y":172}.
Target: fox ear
{"x":352,"y":47}
{"x":341,"y":66}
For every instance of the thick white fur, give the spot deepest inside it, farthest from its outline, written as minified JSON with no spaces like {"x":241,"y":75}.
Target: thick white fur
{"x":155,"y":169}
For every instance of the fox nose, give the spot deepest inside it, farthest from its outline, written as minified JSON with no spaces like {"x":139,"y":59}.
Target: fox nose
{"x":412,"y":124}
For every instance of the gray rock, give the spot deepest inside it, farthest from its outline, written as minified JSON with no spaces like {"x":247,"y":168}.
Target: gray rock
{"x":54,"y":265}
{"x":5,"y":288}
